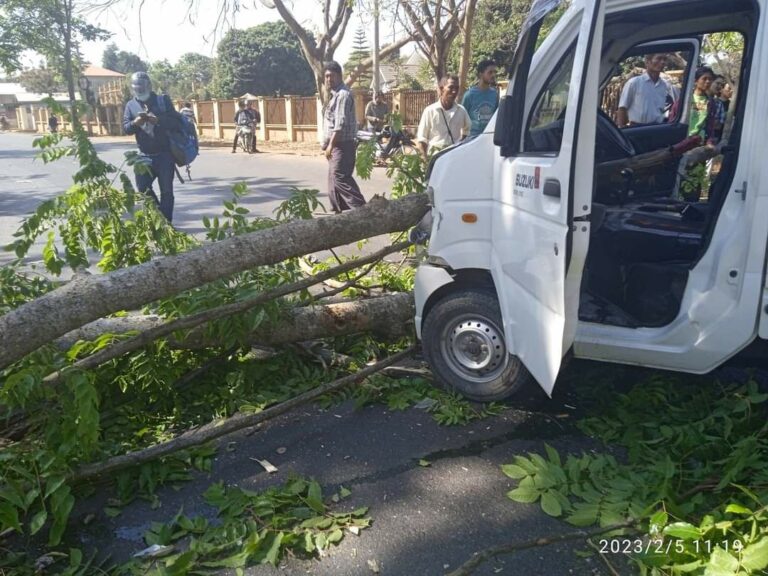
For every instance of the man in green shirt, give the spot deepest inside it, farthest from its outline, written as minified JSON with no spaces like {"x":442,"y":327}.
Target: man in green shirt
{"x":700,"y":104}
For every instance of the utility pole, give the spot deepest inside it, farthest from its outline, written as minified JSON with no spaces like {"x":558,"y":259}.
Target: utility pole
{"x":376,"y":46}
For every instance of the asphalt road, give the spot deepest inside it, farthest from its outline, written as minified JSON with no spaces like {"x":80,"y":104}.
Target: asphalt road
{"x":25,"y":181}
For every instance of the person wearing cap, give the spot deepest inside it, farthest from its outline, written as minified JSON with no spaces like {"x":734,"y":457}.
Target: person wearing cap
{"x":149,"y":117}
{"x":376,"y":113}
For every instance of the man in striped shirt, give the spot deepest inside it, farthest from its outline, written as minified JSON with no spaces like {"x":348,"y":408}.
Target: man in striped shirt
{"x":339,"y":142}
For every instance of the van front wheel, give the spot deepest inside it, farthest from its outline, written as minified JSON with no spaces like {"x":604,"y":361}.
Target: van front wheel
{"x":463,"y":342}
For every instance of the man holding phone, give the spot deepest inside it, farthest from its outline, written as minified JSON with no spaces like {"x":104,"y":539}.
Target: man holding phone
{"x":149,"y":117}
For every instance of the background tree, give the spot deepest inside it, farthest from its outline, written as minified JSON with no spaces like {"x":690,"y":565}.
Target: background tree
{"x":122,"y":61}
{"x":262,"y":60}
{"x":164,"y":77}
{"x":10,"y":44}
{"x":54,"y":30}
{"x":434,"y":26}
{"x":194,"y":74}
{"x":361,"y":51}
{"x":321,"y":48}
{"x":41,"y":81}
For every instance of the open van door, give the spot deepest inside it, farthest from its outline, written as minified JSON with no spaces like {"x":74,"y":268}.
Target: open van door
{"x":545,"y":131}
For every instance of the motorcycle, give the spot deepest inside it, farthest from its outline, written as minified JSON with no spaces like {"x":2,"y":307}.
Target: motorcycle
{"x":388,"y":143}
{"x":245,"y":133}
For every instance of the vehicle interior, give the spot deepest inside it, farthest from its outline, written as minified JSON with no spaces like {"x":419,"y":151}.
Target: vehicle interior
{"x":653,"y":212}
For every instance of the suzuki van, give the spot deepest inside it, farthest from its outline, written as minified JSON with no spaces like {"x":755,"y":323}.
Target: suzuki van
{"x":558,"y":232}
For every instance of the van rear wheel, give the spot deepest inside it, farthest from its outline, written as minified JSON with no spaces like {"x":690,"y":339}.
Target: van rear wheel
{"x":463,"y":342}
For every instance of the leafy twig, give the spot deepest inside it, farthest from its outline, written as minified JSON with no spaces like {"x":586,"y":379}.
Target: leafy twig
{"x":216,"y":429}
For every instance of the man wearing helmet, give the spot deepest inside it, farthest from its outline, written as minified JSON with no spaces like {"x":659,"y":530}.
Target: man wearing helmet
{"x":149,"y":117}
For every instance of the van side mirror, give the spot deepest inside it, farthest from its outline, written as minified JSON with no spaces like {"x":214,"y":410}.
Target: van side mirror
{"x":502,"y":120}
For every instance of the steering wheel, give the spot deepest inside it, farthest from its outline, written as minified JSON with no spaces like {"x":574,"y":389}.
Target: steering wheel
{"x":610,"y":142}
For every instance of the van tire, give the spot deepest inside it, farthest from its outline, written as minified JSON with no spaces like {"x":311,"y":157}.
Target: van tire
{"x":463,"y":342}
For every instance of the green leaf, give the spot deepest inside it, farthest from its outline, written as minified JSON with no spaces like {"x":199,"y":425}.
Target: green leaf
{"x":344,"y":492}
{"x":550,"y":504}
{"x":112,"y":512}
{"x":75,"y":557}
{"x":553,"y":455}
{"x":755,"y":556}
{"x":52,"y":484}
{"x":657,"y":522}
{"x":584,"y":514}
{"x":424,"y":463}
{"x":9,"y":517}
{"x":273,"y":553}
{"x":38,"y":521}
{"x":738,"y":509}
{"x":513,"y":471}
{"x":524,"y":494}
{"x":683,"y":531}
{"x":335,"y":536}
{"x":314,"y":497}
{"x":721,"y":564}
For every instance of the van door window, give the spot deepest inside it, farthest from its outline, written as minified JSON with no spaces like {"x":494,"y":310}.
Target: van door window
{"x":545,"y":123}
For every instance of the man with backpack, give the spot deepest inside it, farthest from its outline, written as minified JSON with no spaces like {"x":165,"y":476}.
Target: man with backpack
{"x":154,"y":121}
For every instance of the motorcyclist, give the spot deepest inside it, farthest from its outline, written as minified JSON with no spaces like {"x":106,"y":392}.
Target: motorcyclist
{"x":243,"y":119}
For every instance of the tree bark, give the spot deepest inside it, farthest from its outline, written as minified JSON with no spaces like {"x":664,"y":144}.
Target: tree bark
{"x":88,"y":298}
{"x":388,"y":316}
{"x":466,"y":48}
{"x":221,"y":428}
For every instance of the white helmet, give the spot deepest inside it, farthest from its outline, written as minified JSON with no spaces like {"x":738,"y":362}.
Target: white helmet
{"x":141,"y":86}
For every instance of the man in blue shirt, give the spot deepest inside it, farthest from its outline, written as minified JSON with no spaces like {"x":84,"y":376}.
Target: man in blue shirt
{"x":482,"y":100}
{"x":149,"y":117}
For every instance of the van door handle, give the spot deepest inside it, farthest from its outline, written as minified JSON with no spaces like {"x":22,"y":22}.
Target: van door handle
{"x":742,"y":191}
{"x":552,"y":188}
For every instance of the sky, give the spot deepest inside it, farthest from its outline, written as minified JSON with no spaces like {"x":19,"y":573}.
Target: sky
{"x":165,"y":29}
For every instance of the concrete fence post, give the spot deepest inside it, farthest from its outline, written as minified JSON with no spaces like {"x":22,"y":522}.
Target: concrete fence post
{"x":263,"y":135}
{"x":289,"y":129}
{"x":216,"y":121}
{"x":320,"y":119}
{"x":197,"y":118}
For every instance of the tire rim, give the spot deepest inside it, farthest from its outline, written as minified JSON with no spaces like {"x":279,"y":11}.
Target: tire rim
{"x":474,"y":348}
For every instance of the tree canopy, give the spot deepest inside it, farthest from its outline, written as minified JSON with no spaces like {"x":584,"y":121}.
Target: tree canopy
{"x":262,"y":60}
{"x":41,"y":80}
{"x":122,"y":61}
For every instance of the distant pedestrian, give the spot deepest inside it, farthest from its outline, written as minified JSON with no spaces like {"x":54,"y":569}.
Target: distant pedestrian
{"x":53,"y":123}
{"x":376,"y":113}
{"x":150,"y":117}
{"x":188,"y":112}
{"x":445,"y":122}
{"x":482,"y":100}
{"x":339,"y":142}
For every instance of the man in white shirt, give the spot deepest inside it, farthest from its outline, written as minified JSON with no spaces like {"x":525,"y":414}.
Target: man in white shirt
{"x":645,"y":98}
{"x":445,"y":122}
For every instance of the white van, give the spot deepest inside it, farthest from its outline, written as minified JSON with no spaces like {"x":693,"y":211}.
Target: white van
{"x":543,"y":242}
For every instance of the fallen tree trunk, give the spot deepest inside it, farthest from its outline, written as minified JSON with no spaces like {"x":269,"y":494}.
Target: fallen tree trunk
{"x":219,"y":428}
{"x":88,"y":298}
{"x":151,"y":328}
{"x":387,"y":316}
